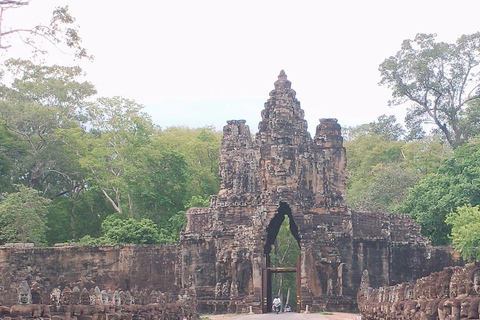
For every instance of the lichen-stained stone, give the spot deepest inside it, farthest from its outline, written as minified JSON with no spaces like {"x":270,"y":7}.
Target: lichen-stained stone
{"x":221,"y":264}
{"x":73,"y":268}
{"x":283,"y":171}
{"x":448,"y":294}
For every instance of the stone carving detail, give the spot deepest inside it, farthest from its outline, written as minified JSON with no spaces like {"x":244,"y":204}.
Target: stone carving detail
{"x":101,"y":304}
{"x":24,"y":293}
{"x":283,"y":171}
{"x":221,"y":261}
{"x":450,"y":294}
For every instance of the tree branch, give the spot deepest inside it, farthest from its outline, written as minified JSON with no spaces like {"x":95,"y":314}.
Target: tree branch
{"x":13,"y":3}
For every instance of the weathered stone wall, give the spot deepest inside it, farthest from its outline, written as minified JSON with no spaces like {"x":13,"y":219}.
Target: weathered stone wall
{"x":222,"y":261}
{"x":450,"y":294}
{"x":147,"y":274}
{"x":280,"y":172}
{"x":96,"y":304}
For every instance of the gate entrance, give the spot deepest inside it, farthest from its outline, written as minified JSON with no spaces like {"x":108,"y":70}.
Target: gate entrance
{"x":267,"y":293}
{"x":282,"y":261}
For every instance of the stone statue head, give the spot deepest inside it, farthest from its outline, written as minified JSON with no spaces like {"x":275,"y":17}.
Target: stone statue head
{"x":24,"y":293}
{"x":85,"y":297}
{"x":476,"y":282}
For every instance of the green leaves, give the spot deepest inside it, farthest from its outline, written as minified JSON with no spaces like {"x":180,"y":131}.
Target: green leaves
{"x":120,"y":230}
{"x":23,"y":217}
{"x":439,"y":78}
{"x":456,"y":184}
{"x":97,"y":158}
{"x":383,"y":163}
{"x":465,"y":224}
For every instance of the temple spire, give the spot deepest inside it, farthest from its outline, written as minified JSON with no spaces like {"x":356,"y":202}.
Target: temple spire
{"x":282,"y":83}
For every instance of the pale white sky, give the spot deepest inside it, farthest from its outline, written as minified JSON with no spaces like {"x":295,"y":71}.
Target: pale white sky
{"x":199,"y":63}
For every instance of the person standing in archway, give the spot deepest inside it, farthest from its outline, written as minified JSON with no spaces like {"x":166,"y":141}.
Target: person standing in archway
{"x":277,"y":304}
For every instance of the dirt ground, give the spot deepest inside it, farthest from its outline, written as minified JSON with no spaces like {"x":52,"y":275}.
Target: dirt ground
{"x":283,"y":316}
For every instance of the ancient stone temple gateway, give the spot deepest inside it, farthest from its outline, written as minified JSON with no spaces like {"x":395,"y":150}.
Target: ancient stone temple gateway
{"x":222,"y":262}
{"x":284,"y":172}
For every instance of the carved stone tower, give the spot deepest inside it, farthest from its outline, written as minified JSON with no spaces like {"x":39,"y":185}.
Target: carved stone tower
{"x":284,"y":172}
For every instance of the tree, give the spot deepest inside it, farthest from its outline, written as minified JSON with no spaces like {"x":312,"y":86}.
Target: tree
{"x":441,"y":79}
{"x":456,"y":184}
{"x":108,"y":151}
{"x":465,"y":224}
{"x":385,"y":189}
{"x":367,"y":154}
{"x":386,"y":128}
{"x":23,"y":217}
{"x":117,"y":229}
{"x":160,"y":186}
{"x":382,"y":166}
{"x":201,"y":149}
{"x":135,"y":172}
{"x":40,"y":101}
{"x":61,"y":32}
{"x":7,"y":162}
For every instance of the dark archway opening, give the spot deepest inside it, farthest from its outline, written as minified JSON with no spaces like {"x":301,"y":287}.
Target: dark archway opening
{"x":274,"y":228}
{"x":282,"y":252}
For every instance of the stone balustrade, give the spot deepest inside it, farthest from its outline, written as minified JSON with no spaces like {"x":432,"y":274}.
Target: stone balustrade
{"x":451,"y":294}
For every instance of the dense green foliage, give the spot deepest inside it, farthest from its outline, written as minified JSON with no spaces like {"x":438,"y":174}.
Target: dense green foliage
{"x":465,"y":224}
{"x":92,"y":159}
{"x":23,"y":216}
{"x":117,"y":229}
{"x":382,"y":166}
{"x":456,"y":184}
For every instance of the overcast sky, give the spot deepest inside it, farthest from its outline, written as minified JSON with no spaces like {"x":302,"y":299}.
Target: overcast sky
{"x":200,"y":63}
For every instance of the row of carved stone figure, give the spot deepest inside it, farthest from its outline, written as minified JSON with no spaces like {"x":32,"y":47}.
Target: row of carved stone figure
{"x":443,"y":309}
{"x":451,"y":294}
{"x":95,"y":296}
{"x":153,"y":311}
{"x":96,"y":304}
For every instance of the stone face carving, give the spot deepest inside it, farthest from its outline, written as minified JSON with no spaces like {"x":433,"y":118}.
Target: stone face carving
{"x":476,"y":282}
{"x":283,"y":171}
{"x":453,"y":304}
{"x":222,"y":261}
{"x":24,"y":293}
{"x":162,"y":306}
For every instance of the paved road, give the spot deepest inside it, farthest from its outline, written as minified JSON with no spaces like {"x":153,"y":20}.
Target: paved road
{"x":284,"y":316}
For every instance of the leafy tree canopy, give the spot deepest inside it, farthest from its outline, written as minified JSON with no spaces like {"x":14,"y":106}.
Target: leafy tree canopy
{"x":200,"y":148}
{"x":23,"y":216}
{"x":386,"y":128}
{"x":383,"y":166}
{"x":117,"y":229}
{"x":442,"y":81}
{"x":456,"y":184}
{"x":465,"y":224}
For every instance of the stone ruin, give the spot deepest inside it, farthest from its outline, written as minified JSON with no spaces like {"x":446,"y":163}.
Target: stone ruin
{"x":122,"y":282}
{"x":222,"y":263}
{"x":451,"y":294}
{"x":96,"y":304}
{"x":282,"y":172}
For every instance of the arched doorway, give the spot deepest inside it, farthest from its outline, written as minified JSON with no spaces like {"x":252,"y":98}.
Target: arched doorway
{"x":281,"y":275}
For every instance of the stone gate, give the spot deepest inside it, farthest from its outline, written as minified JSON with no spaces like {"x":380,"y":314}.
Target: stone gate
{"x":222,"y":261}
{"x":282,"y":172}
